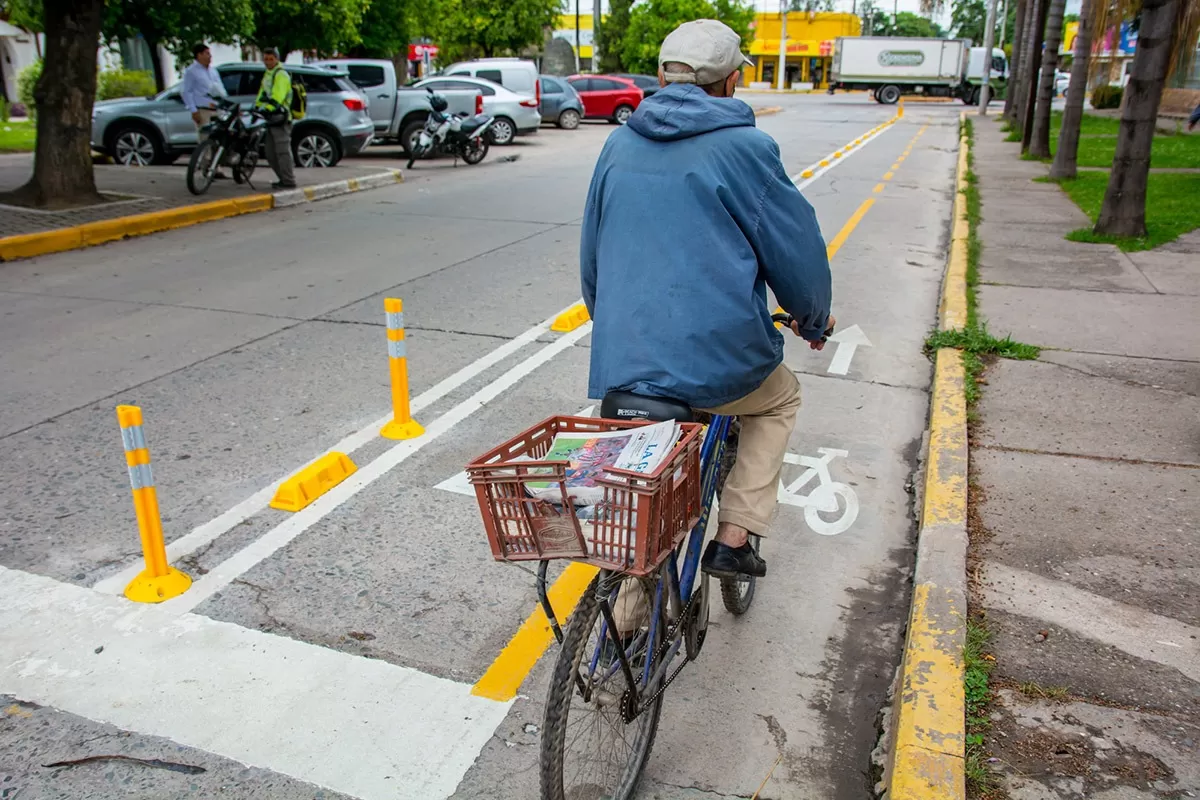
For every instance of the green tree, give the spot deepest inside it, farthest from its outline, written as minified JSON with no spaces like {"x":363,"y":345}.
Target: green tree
{"x":968,"y":18}
{"x":25,"y":14}
{"x":324,"y":27}
{"x":651,"y":21}
{"x":176,"y":25}
{"x":474,"y":28}
{"x":612,"y":34}
{"x":907,"y":24}
{"x":386,"y":29}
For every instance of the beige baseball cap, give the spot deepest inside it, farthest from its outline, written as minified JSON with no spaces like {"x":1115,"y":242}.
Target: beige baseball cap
{"x":711,"y":48}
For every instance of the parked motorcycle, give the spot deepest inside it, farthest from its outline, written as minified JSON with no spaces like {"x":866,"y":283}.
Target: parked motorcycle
{"x":456,"y":134}
{"x":234,"y":140}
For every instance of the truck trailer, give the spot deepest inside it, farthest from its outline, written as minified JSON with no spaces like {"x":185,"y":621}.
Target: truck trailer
{"x":890,"y":67}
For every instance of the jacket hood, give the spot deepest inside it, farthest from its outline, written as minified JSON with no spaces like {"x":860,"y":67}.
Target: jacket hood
{"x":681,"y":111}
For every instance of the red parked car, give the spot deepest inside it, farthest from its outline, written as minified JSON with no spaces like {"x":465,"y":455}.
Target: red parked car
{"x":607,"y":97}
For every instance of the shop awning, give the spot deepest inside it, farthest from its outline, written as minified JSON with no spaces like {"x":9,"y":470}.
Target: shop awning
{"x":795,"y":47}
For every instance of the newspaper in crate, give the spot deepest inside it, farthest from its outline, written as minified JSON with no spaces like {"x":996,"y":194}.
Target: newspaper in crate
{"x":590,"y":454}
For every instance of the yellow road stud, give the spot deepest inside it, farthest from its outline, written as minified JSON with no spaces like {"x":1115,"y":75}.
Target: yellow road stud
{"x":838,"y":154}
{"x":808,"y":173}
{"x":402,"y":426}
{"x":159,"y":581}
{"x":824,"y":162}
{"x":570,"y":319}
{"x":313,"y":481}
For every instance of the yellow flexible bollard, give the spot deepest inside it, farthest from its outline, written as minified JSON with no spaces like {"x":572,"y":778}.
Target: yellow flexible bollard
{"x":159,"y":581}
{"x":402,"y":426}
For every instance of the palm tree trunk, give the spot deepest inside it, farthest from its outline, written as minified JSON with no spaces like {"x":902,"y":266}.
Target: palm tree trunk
{"x":1014,"y":67}
{"x":1124,"y":210}
{"x":1039,"y":145}
{"x":1035,"y":66}
{"x":62,"y":163}
{"x":1065,"y":159}
{"x":1032,"y":14}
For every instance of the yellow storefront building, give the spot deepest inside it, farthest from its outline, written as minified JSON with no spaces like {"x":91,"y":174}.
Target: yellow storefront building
{"x":810,"y":39}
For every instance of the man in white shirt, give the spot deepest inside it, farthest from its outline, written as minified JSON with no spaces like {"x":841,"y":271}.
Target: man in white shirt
{"x":201,"y":82}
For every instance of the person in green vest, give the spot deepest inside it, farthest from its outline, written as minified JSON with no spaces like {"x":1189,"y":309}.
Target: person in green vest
{"x":275,"y":98}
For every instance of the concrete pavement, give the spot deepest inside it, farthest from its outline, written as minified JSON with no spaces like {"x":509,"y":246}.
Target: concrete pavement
{"x":253,"y":350}
{"x":1085,"y":540}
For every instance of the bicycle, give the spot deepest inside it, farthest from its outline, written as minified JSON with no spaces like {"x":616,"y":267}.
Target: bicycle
{"x":609,"y":680}
{"x":230,"y":139}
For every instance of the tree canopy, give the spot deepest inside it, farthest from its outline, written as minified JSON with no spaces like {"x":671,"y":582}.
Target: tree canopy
{"x":612,"y":34}
{"x":324,"y":27}
{"x":475,"y":28}
{"x":906,"y":23}
{"x":651,"y":21}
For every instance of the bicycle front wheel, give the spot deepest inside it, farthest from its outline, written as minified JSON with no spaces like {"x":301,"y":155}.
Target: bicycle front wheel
{"x":589,"y":751}
{"x":201,"y":168}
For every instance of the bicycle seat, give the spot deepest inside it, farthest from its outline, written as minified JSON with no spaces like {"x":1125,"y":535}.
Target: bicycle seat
{"x":627,"y":405}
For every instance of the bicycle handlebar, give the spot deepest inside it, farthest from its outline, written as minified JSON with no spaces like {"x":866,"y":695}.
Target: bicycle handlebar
{"x":787,"y":319}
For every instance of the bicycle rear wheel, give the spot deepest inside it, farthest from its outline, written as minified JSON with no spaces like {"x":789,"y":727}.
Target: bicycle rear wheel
{"x":589,"y":752}
{"x":738,"y":593}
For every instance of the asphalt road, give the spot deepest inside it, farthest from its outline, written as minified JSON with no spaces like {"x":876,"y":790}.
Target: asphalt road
{"x":256,"y":344}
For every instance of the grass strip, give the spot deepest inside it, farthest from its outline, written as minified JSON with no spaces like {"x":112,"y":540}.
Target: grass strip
{"x":1171,"y":208}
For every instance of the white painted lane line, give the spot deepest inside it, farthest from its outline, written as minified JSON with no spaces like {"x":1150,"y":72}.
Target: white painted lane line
{"x":354,"y":725}
{"x":215,"y":528}
{"x":1127,"y":628}
{"x":801,"y":182}
{"x":279,"y":536}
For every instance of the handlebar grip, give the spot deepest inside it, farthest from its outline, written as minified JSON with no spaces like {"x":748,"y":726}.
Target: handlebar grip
{"x":787,"y":319}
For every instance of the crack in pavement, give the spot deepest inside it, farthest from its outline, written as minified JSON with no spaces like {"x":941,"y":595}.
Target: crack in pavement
{"x":1108,"y":459}
{"x":1126,"y":381}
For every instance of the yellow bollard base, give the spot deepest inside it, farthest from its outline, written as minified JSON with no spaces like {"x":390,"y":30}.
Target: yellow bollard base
{"x":402,"y":430}
{"x":146,"y":588}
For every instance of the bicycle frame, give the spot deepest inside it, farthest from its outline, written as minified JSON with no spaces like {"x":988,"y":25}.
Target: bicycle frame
{"x":681,"y":579}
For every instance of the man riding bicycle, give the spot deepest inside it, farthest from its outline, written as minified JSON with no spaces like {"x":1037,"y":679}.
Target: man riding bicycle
{"x":690,"y":217}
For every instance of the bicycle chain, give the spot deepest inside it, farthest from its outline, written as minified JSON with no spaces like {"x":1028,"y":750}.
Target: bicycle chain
{"x":662,"y":650}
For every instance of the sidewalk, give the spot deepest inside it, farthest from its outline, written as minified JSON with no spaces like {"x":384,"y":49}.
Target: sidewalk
{"x":158,"y":188}
{"x":1085,"y":526}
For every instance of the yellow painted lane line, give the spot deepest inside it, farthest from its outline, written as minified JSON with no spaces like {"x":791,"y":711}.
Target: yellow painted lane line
{"x":887,"y":176}
{"x":896,"y":166}
{"x":847,"y":229}
{"x":506,"y":674}
{"x":878,"y":188}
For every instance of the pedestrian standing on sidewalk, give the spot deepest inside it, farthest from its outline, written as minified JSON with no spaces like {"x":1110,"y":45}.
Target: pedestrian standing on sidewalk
{"x":201,"y":83}
{"x":1194,"y":118}
{"x":275,"y":98}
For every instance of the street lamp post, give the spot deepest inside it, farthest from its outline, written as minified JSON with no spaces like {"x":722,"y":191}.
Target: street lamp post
{"x":989,"y":37}
{"x":782,"y":44}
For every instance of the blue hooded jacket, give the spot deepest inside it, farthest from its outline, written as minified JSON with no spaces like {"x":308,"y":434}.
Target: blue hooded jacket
{"x":690,"y":217}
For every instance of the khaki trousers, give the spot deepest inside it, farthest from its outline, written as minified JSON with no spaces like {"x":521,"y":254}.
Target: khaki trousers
{"x":768,"y":417}
{"x":206,"y":115}
{"x":279,"y":152}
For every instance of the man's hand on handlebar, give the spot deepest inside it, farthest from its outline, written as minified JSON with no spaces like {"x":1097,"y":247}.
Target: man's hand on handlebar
{"x":788,"y":320}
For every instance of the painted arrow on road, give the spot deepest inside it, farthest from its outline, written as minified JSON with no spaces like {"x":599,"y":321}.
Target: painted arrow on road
{"x":848,"y":341}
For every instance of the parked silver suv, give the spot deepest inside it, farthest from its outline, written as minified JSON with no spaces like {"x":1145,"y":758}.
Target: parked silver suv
{"x":157,"y":130}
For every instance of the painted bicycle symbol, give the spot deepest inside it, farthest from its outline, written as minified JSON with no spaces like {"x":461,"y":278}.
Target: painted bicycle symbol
{"x":831,"y":507}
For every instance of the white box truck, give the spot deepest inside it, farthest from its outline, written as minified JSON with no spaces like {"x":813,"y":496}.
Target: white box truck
{"x":890,"y":67}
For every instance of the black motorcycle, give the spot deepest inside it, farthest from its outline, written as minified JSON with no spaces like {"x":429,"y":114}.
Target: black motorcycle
{"x":234,"y":140}
{"x":455,"y":134}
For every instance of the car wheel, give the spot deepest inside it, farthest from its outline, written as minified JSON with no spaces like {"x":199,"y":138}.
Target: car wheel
{"x":135,"y":146}
{"x":503,"y":131}
{"x":315,"y":148}
{"x":622,"y":115}
{"x":408,"y":137}
{"x":568,"y":120}
{"x":889,"y":94}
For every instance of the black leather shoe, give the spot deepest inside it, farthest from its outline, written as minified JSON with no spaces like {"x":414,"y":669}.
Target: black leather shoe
{"x":722,"y":561}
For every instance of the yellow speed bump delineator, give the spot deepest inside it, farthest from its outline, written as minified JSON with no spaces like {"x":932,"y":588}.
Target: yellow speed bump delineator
{"x":570,"y":319}
{"x":159,"y":581}
{"x":402,"y":426}
{"x":313,"y":481}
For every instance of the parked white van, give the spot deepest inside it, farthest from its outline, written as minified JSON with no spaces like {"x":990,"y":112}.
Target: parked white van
{"x":514,"y":74}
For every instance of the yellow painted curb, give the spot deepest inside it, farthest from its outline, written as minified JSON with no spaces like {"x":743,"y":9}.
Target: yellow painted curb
{"x":928,"y":747}
{"x":766,"y":112}
{"x":109,"y":230}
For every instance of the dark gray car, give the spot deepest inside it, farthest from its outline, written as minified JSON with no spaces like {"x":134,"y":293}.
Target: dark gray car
{"x":561,"y":104}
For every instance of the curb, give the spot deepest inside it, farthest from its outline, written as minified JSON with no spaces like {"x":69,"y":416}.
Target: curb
{"x":929,"y":726}
{"x":766,"y":112}
{"x":59,"y":240}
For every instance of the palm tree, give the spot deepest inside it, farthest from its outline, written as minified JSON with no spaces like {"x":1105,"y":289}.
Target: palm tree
{"x":1166,"y":41}
{"x":1068,"y":137}
{"x":1014,"y":66}
{"x":1035,"y":36}
{"x":1039,"y":144}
